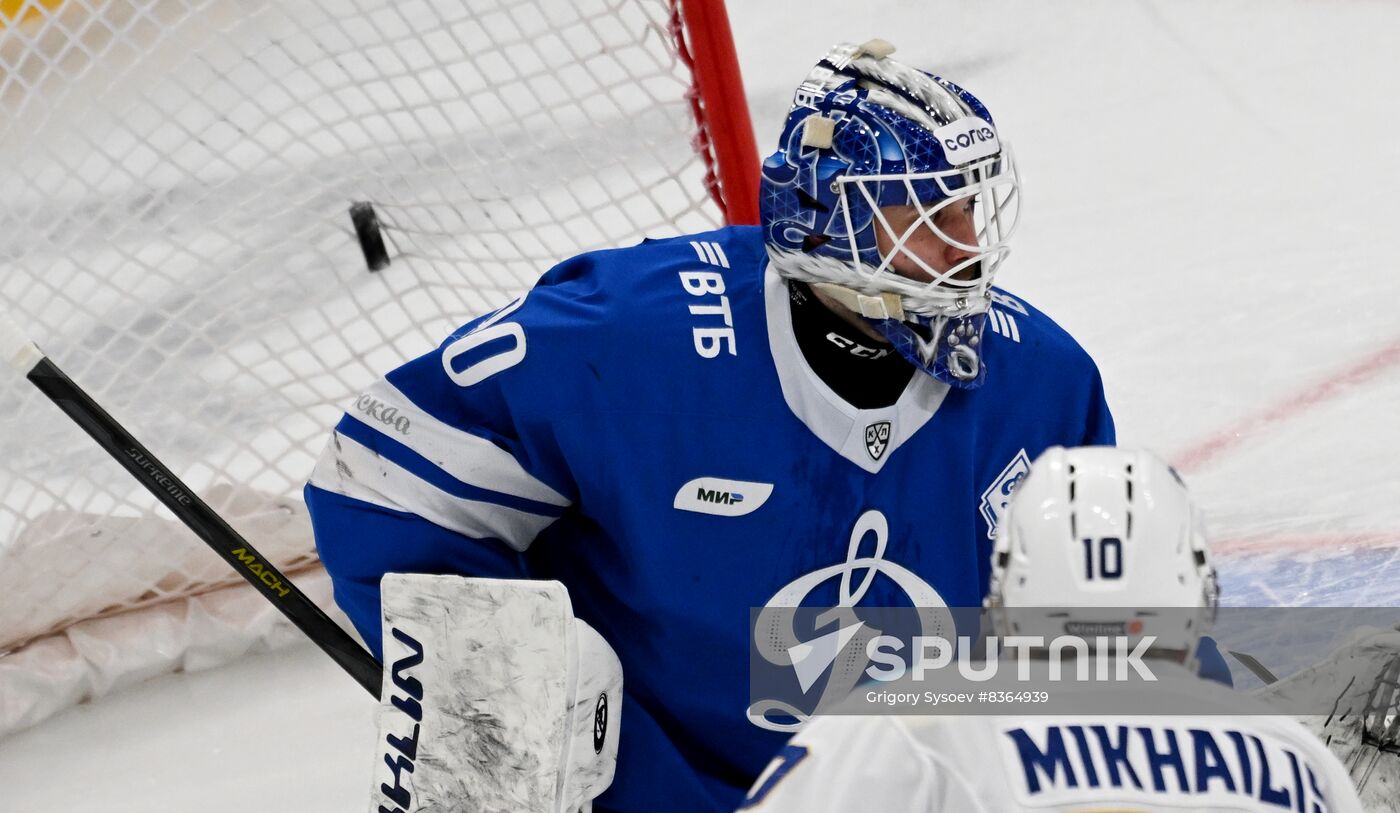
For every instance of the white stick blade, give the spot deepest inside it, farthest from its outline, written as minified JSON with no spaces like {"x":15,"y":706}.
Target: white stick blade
{"x":15,"y":347}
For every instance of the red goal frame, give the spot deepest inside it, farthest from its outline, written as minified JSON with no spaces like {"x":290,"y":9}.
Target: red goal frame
{"x":725,"y":136}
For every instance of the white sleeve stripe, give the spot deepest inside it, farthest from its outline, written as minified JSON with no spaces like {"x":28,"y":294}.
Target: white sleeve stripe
{"x":329,"y":475}
{"x":1004,"y":324}
{"x":719,"y":252}
{"x":473,"y":460}
{"x":348,"y":468}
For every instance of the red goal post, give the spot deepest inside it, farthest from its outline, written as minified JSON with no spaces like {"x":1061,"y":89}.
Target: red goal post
{"x":706,"y":45}
{"x":175,"y":177}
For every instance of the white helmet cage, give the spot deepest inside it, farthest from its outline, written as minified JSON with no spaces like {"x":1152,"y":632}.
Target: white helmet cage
{"x":990,"y":187}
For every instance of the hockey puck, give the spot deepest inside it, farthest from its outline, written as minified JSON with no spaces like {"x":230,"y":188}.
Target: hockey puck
{"x":371,"y":238}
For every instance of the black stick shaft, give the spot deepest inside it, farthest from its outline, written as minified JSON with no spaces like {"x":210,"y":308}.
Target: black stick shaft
{"x":208,"y":525}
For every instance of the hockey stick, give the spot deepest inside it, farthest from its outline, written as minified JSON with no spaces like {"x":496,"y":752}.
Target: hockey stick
{"x":16,"y":348}
{"x":1252,"y":664}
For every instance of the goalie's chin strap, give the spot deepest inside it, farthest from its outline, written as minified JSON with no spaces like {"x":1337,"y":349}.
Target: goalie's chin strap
{"x":951,"y":353}
{"x":884,"y":306}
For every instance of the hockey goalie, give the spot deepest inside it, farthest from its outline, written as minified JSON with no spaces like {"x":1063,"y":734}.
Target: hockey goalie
{"x":683,"y":429}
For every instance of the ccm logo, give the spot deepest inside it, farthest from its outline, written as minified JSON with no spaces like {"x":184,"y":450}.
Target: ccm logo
{"x":967,"y":140}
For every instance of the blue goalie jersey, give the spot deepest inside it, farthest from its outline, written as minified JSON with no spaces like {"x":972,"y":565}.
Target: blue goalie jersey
{"x":643,"y":427}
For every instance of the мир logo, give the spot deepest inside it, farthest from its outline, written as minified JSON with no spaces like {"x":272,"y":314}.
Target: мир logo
{"x":716,"y":496}
{"x":725,"y":498}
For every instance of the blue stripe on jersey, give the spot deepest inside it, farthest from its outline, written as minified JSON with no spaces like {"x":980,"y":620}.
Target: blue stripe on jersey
{"x":426,"y":470}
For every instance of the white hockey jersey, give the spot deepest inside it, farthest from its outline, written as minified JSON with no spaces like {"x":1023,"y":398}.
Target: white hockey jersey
{"x":1235,"y":761}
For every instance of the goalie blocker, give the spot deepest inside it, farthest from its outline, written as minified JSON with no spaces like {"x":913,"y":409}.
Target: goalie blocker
{"x":1362,"y":676}
{"x":495,"y":698}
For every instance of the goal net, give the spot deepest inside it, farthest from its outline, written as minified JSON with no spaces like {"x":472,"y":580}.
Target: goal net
{"x":175,"y":185}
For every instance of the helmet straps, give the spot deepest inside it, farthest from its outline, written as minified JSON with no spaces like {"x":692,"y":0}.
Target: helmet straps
{"x":884,"y":306}
{"x":951,"y":354}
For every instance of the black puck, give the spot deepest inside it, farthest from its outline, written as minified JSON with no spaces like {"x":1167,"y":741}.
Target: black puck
{"x":371,"y":238}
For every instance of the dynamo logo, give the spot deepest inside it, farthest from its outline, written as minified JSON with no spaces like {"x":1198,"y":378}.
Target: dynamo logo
{"x":839,"y":654}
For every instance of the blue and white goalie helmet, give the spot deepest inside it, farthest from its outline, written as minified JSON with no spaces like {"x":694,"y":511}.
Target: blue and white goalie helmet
{"x":867,"y":132}
{"x":1112,"y":541}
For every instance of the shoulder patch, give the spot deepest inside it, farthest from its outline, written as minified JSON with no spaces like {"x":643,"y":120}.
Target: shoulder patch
{"x":998,"y":495}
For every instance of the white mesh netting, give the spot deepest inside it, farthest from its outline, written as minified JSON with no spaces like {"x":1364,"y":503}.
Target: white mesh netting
{"x":175,"y":177}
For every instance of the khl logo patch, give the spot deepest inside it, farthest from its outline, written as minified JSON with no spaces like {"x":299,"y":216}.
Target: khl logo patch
{"x":877,"y":439}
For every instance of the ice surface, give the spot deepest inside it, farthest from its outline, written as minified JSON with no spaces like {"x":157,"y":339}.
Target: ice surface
{"x":1209,"y":211}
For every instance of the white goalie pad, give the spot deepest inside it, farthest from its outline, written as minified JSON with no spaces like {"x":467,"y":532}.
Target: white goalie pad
{"x":496,"y":699}
{"x":1363,"y":729}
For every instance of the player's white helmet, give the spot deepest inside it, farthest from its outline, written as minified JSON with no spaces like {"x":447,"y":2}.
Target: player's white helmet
{"x":1108,"y":537}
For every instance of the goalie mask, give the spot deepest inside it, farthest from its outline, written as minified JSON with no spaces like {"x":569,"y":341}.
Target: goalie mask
{"x":1109,"y":538}
{"x":865,"y":134}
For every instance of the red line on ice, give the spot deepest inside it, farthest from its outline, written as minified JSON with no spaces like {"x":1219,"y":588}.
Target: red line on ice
{"x":1297,"y":543}
{"x":1208,"y":450}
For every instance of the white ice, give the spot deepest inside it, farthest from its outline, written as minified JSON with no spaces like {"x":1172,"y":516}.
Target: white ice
{"x":1209,"y":192}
